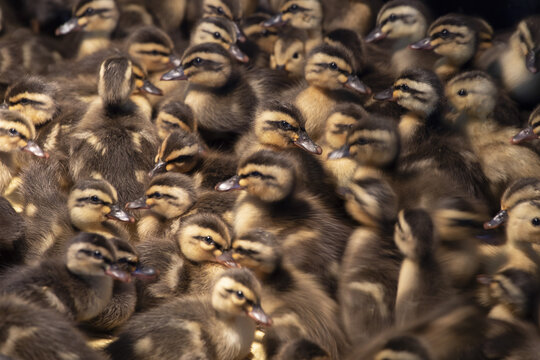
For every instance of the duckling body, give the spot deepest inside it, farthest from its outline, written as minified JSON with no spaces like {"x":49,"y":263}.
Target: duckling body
{"x":213,"y":326}
{"x":14,"y":226}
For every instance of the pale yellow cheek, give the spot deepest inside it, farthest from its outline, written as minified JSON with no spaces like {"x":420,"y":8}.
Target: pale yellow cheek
{"x":243,"y":182}
{"x":342,"y":78}
{"x":150,"y":202}
{"x":169,"y":167}
{"x":105,"y":210}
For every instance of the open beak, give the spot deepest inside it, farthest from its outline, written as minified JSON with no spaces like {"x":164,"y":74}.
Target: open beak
{"x":240,"y":36}
{"x":257,"y":314}
{"x":354,"y":83}
{"x":230,"y":184}
{"x":34,"y":149}
{"x":226,"y":259}
{"x":69,"y":26}
{"x":530,"y":62}
{"x":276,"y":20}
{"x":340,"y":153}
{"x":158,"y":168}
{"x":497,"y":220}
{"x":526,"y":134}
{"x":175,"y":60}
{"x":305,"y":142}
{"x":150,"y":88}
{"x":238,"y":54}
{"x":375,"y":35}
{"x":424,"y":44}
{"x":145,"y":273}
{"x":117,"y":274}
{"x":175,"y":74}
{"x":117,"y":213}
{"x":139,"y":204}
{"x":385,"y":95}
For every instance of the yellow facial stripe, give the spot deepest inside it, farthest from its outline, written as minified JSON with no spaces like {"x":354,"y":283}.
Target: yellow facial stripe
{"x":231,"y":284}
{"x":92,"y":192}
{"x":149,"y":47}
{"x":398,"y":11}
{"x":196,"y":230}
{"x":173,"y":119}
{"x":217,"y":4}
{"x":27,"y":131}
{"x":98,"y":4}
{"x":327,"y":59}
{"x":188,"y":150}
{"x":205,"y":56}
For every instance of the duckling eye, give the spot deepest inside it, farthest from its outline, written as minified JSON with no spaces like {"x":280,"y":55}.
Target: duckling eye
{"x":296,"y":55}
{"x":333,"y":65}
{"x":256,"y":174}
{"x":392,"y":17}
{"x":293,"y":7}
{"x":361,"y":141}
{"x":462,"y":92}
{"x":285,"y":125}
{"x":521,"y":38}
{"x":24,"y":101}
{"x":95,"y":199}
{"x":13,"y":132}
{"x":444,"y":33}
{"x":156,"y":195}
{"x":403,"y":87}
{"x":208,"y":240}
{"x":197,"y":61}
{"x":217,"y":35}
{"x":88,"y":11}
{"x":535,"y":222}
{"x":220,"y":10}
{"x":97,"y":254}
{"x":265,"y":32}
{"x":239,"y":294}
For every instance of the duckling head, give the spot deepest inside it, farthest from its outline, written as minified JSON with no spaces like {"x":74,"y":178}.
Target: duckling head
{"x":33,"y":97}
{"x":518,"y":191}
{"x":17,"y":133}
{"x":414,"y":234}
{"x":348,"y":41}
{"x":401,"y":19}
{"x":173,"y":116}
{"x":179,"y":152}
{"x":93,"y":255}
{"x":282,"y":125}
{"x":403,"y":347}
{"x":289,"y":53}
{"x":92,"y":202}
{"x":526,"y":41}
{"x":267,"y":175}
{"x":523,"y":224}
{"x":237,"y":292}
{"x":330,"y":67}
{"x":257,"y":250}
{"x":221,"y":31}
{"x":372,"y":141}
{"x":204,"y":237}
{"x":229,"y":9}
{"x":264,"y":37}
{"x":208,"y":65}
{"x":151,"y":47}
{"x":116,"y":81}
{"x":340,"y":123}
{"x":532,"y":131}
{"x":453,"y":36}
{"x":127,"y":259}
{"x":418,"y":90}
{"x":472,"y":93}
{"x":369,"y":199}
{"x":301,"y":14}
{"x":92,"y":16}
{"x":168,"y":195}
{"x":457,"y":218}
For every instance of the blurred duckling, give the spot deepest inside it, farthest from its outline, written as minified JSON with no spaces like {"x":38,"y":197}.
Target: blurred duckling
{"x":457,"y":39}
{"x":302,"y":349}
{"x":400,"y":23}
{"x":168,"y":197}
{"x":172,"y":116}
{"x":30,"y":331}
{"x":357,"y":15}
{"x":295,"y":301}
{"x":79,"y":285}
{"x":475,"y":96}
{"x":217,"y":90}
{"x":198,"y":327}
{"x":515,"y":62}
{"x":260,"y":39}
{"x":97,"y":19}
{"x":14,"y":231}
{"x":112,"y":129}
{"x":187,"y":262}
{"x":289,"y":54}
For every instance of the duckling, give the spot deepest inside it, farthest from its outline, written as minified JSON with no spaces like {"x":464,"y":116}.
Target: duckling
{"x":260,"y":40}
{"x":168,"y":197}
{"x":111,"y":127}
{"x":329,"y":70}
{"x":531,"y":131}
{"x":53,"y":218}
{"x":289,"y":54}
{"x":519,"y":190}
{"x":221,"y":31}
{"x":217,"y":90}
{"x":79,"y":285}
{"x":370,"y":267}
{"x":429,"y":150}
{"x":275,"y":201}
{"x":174,"y":115}
{"x":474,"y":95}
{"x":184,"y":152}
{"x":400,"y":23}
{"x":302,"y":349}
{"x":17,"y":133}
{"x":357,"y":15}
{"x":31,"y":332}
{"x":97,"y":19}
{"x":422,"y":283}
{"x":515,"y":62}
{"x":297,"y":304}
{"x":457,"y":38}
{"x":187,"y":262}
{"x":229,"y":9}
{"x":301,"y":14}
{"x":13,"y":226}
{"x":218,"y":325}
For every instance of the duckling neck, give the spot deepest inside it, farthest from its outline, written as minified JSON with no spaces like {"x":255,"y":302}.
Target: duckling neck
{"x":314,"y":38}
{"x":409,"y":125}
{"x":93,"y":42}
{"x":524,"y":255}
{"x":6,"y":166}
